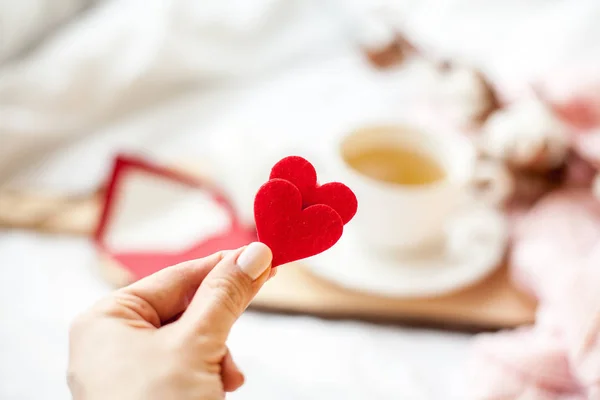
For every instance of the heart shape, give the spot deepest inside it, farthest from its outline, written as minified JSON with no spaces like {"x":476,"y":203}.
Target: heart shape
{"x":303,"y":175}
{"x":291,"y":231}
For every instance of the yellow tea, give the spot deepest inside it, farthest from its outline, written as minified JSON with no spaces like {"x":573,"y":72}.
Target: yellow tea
{"x":396,"y":165}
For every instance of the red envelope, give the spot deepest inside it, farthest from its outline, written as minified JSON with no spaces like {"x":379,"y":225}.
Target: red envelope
{"x":155,"y":216}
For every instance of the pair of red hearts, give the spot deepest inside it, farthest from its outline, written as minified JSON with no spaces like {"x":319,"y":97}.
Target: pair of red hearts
{"x":295,"y":216}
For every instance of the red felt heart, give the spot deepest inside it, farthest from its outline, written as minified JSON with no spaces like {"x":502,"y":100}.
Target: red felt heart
{"x":290,"y":231}
{"x":302,"y":174}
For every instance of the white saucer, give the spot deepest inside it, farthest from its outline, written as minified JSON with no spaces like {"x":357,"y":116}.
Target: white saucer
{"x":474,"y":245}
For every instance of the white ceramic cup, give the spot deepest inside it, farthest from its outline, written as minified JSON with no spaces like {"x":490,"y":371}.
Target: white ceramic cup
{"x":397,"y":217}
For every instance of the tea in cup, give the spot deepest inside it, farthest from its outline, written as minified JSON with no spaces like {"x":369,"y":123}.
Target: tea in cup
{"x":409,"y":180}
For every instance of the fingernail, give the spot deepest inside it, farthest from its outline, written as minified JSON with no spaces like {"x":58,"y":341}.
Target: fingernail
{"x":255,"y":259}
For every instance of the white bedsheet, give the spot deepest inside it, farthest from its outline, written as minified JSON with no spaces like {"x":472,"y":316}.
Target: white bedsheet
{"x":293,"y":80}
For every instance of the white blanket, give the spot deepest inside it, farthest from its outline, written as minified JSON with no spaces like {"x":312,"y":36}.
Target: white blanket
{"x":177,"y":79}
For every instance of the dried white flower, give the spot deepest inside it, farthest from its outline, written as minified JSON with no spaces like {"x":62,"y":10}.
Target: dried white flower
{"x":465,"y":95}
{"x":526,"y":135}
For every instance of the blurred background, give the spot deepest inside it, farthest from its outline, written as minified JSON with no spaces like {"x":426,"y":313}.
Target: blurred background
{"x":227,"y":85}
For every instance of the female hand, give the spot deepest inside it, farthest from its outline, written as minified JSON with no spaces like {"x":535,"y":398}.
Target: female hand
{"x":164,"y":336}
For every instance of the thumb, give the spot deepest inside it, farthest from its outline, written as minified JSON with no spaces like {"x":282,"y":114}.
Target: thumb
{"x":227,"y":290}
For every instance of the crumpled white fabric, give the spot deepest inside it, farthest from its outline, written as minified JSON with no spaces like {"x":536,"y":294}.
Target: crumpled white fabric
{"x":117,"y":57}
{"x":25,"y":23}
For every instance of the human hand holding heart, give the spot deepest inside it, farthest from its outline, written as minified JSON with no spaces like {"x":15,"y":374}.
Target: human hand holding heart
{"x":295,"y":216}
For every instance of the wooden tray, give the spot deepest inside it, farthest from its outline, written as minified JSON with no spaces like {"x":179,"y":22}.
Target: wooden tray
{"x":492,"y":304}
